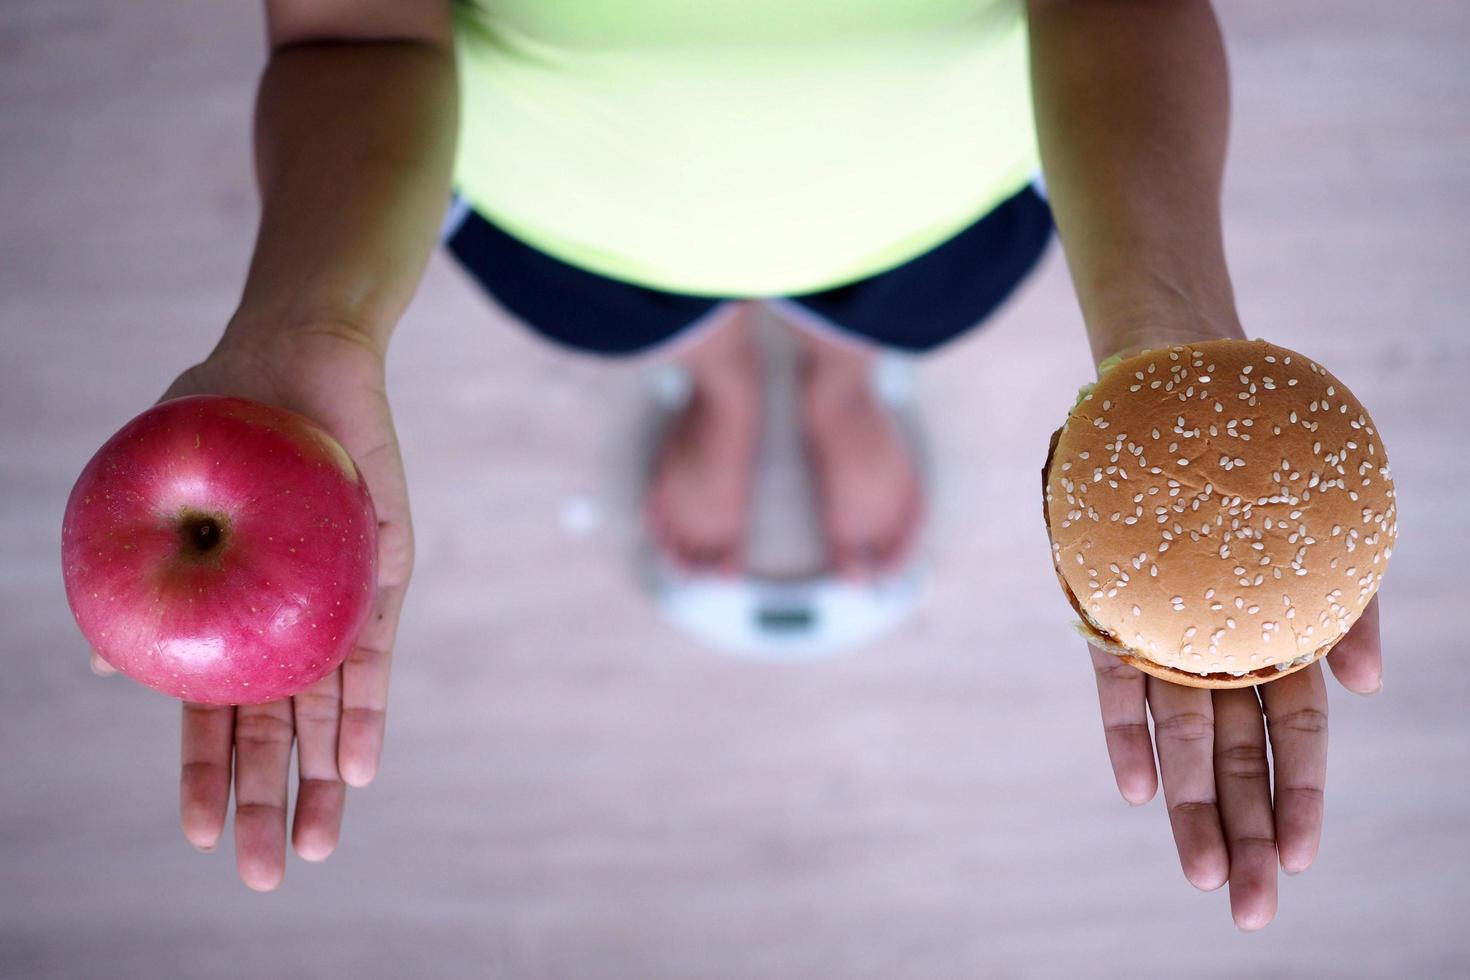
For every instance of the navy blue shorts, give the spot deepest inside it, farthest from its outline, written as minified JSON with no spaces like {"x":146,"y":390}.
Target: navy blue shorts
{"x":916,"y":306}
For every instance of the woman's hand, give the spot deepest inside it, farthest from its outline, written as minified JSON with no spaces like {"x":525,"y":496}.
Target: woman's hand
{"x":335,"y":377}
{"x":1233,"y":819}
{"x":1132,"y":114}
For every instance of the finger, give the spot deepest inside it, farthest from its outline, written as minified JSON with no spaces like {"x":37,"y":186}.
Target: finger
{"x":1242,"y":780}
{"x":1184,"y":734}
{"x":1357,"y":659}
{"x":1122,"y":697}
{"x":365,"y":691}
{"x":262,"y":763}
{"x":207,"y":739}
{"x":1296,"y":718}
{"x":321,"y":794}
{"x":365,"y":672}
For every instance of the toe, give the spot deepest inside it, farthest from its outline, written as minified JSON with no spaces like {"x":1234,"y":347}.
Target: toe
{"x":905,"y":537}
{"x":732,"y":559}
{"x":891,"y":544}
{"x":840,"y":556}
{"x":655,"y":519}
{"x":718,"y":560}
{"x":702,"y":555}
{"x":688,"y":550}
{"x":665,"y":541}
{"x":867,"y":558}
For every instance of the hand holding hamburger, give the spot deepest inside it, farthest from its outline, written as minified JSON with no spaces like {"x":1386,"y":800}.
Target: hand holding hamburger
{"x":1221,"y":514}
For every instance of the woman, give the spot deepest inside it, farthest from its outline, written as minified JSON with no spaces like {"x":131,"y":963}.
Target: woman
{"x":634,"y":170}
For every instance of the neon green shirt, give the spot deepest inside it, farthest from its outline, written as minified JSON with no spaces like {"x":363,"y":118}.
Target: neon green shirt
{"x":741,"y":147}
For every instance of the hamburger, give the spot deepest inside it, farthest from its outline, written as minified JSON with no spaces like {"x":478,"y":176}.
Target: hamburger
{"x":1220,"y":513}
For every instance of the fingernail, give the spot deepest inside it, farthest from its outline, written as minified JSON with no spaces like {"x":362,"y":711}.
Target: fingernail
{"x":206,"y":850}
{"x":1291,"y":872}
{"x":1368,"y":694}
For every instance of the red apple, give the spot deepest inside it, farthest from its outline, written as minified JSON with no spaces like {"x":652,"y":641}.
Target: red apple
{"x":220,"y":550}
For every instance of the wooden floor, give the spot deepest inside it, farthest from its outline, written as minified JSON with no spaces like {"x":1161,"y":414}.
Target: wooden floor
{"x":573,"y":790}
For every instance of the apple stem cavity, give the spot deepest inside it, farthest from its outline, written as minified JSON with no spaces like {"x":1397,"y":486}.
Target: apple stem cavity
{"x":203,"y":535}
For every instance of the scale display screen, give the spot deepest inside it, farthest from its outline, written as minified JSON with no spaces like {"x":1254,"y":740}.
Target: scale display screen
{"x":785,"y":619}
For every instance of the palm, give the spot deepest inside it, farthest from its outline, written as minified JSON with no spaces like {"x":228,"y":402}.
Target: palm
{"x":1228,"y":824}
{"x":337,"y":724}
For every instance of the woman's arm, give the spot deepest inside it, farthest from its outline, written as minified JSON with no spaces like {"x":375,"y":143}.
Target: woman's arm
{"x":355,"y":131}
{"x":1132,"y":112}
{"x":354,"y":134}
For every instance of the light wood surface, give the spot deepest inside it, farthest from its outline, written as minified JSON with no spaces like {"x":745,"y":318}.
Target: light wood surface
{"x":571,"y":789}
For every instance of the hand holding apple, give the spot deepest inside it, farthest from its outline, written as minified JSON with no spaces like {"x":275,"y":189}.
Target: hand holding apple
{"x":335,"y":377}
{"x":221,"y":551}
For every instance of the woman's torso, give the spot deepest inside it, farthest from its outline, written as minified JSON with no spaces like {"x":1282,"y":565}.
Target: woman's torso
{"x":759,"y":147}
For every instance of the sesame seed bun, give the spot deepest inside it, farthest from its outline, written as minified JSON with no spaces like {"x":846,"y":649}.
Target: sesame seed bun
{"x":1220,"y":512}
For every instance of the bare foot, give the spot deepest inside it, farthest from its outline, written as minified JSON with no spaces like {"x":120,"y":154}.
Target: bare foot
{"x":867,"y":482}
{"x":698,"y":499}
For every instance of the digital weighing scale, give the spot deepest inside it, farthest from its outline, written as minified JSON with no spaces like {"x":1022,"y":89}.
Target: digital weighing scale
{"x":787,"y":606}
